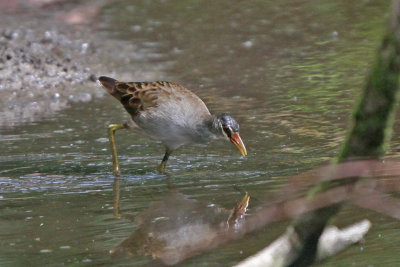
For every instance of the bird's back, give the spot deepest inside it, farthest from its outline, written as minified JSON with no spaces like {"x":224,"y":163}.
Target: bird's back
{"x":165,"y":111}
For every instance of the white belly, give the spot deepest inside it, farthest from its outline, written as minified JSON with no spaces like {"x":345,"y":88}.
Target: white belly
{"x":175,"y":123}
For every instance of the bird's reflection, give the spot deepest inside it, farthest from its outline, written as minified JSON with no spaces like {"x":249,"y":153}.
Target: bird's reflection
{"x":175,"y":227}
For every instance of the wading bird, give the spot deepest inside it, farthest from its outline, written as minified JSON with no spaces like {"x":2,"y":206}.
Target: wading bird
{"x":170,"y":113}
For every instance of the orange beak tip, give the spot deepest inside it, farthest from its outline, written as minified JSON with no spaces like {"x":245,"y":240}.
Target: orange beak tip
{"x":237,"y":141}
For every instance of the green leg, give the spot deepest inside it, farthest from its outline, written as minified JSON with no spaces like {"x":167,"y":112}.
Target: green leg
{"x":111,"y":135}
{"x":161,"y":168}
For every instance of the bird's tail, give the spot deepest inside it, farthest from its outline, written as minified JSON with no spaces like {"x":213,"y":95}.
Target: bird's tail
{"x":110,"y":85}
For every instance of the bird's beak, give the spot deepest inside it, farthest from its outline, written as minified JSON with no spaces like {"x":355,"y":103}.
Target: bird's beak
{"x":237,"y":141}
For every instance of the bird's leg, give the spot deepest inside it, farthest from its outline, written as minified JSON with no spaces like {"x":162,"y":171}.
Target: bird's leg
{"x":111,"y":135}
{"x":161,"y":168}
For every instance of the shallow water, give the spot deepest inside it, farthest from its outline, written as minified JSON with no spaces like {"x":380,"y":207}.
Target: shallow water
{"x":289,"y":72}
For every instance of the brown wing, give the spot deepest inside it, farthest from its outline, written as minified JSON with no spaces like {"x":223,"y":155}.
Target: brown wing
{"x":136,"y":96}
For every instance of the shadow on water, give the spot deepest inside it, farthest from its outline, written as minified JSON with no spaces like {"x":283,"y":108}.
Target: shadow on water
{"x":288,"y":71}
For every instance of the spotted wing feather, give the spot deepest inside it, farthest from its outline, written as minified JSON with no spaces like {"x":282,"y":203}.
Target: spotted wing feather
{"x":136,"y":96}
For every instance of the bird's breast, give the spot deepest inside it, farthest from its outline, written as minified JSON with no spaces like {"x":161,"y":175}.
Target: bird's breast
{"x":173,"y":128}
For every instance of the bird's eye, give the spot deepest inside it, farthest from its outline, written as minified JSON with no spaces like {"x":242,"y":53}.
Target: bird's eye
{"x":227,"y":131}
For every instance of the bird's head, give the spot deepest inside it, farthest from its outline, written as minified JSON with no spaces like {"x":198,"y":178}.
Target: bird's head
{"x":229,"y":128}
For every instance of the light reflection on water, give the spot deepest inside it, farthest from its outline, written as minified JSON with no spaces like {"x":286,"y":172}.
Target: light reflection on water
{"x":279,"y":68}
